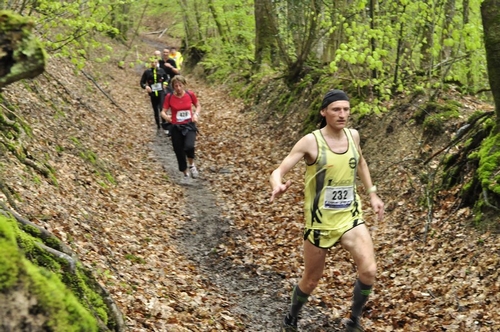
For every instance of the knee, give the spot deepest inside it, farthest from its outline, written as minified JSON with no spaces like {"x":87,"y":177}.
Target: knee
{"x":368,"y":273}
{"x":308,"y":284}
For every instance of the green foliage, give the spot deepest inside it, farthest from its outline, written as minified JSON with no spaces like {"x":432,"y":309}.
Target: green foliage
{"x":135,"y":259}
{"x":404,"y":48}
{"x":364,"y":108}
{"x":157,"y":10}
{"x":70,"y":29}
{"x":223,"y":31}
{"x":391,"y":46}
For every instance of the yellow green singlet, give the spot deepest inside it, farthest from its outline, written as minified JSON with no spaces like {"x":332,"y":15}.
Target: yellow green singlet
{"x":330,"y":198}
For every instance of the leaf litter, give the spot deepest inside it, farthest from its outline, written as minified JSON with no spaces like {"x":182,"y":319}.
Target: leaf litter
{"x":214,"y":255}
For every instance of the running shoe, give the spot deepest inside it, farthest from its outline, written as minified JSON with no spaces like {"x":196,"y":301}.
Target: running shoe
{"x":193,"y":171}
{"x":353,"y":326}
{"x":289,"y":324}
{"x":185,"y":178}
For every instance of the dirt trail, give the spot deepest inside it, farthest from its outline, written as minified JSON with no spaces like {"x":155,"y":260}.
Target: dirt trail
{"x":258,"y":299}
{"x":254,"y":299}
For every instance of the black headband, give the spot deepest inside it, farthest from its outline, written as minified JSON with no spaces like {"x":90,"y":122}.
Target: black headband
{"x":332,"y":96}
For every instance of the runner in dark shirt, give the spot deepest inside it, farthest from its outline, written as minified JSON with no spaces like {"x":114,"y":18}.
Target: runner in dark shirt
{"x":170,"y":67}
{"x":153,"y":80}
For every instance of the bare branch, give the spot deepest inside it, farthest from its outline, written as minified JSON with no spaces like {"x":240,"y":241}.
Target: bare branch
{"x":104,"y":92}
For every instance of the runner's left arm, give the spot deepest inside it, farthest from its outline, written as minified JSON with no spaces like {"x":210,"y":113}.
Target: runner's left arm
{"x":366,"y":179}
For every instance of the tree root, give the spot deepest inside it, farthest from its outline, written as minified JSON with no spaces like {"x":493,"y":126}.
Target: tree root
{"x":460,"y":135}
{"x":59,"y":254}
{"x":487,"y":202}
{"x":5,"y":190}
{"x":13,"y":128}
{"x":64,"y":252}
{"x":43,"y":234}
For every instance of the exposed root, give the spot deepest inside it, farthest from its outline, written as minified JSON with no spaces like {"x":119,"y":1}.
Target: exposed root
{"x":64,"y":252}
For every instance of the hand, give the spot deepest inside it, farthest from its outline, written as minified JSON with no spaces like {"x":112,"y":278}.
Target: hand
{"x":377,"y":206}
{"x":279,"y":190}
{"x":195,"y":117}
{"x":148,"y":89}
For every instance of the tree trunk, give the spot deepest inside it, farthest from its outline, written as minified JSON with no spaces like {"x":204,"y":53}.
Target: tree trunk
{"x":373,"y":42}
{"x":448,"y":25}
{"x":265,"y":42}
{"x":193,"y":33}
{"x":21,"y":55}
{"x":465,"y":21}
{"x":217,"y":21}
{"x":490,"y":12}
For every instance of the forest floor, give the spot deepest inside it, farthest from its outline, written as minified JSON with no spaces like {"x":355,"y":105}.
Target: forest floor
{"x":214,"y":254}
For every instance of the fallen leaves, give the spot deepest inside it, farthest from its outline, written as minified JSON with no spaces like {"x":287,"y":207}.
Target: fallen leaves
{"x":126,"y":231}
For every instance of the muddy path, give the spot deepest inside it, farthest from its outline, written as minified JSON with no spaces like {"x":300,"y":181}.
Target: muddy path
{"x":253,"y":298}
{"x":257,"y":299}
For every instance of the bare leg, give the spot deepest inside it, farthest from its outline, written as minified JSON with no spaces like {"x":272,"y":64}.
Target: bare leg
{"x":359,"y":244}
{"x":314,"y":263}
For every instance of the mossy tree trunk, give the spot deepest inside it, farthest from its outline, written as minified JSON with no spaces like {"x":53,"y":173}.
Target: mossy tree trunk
{"x":479,"y":158}
{"x":490,"y":12}
{"x":21,"y":55}
{"x":485,"y":184}
{"x":266,"y":48}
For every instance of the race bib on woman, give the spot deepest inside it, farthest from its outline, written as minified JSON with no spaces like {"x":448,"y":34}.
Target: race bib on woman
{"x":183,"y":115}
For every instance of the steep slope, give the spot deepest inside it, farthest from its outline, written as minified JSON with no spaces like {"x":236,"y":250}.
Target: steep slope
{"x":215,"y":255}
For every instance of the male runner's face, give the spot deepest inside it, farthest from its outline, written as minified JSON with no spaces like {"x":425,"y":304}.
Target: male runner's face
{"x":337,"y":113}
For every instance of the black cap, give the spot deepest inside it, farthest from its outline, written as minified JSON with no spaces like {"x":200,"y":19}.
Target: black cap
{"x":332,"y":96}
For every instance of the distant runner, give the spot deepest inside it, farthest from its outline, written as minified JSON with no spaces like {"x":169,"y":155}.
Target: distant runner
{"x":178,"y":110}
{"x":152,"y":80}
